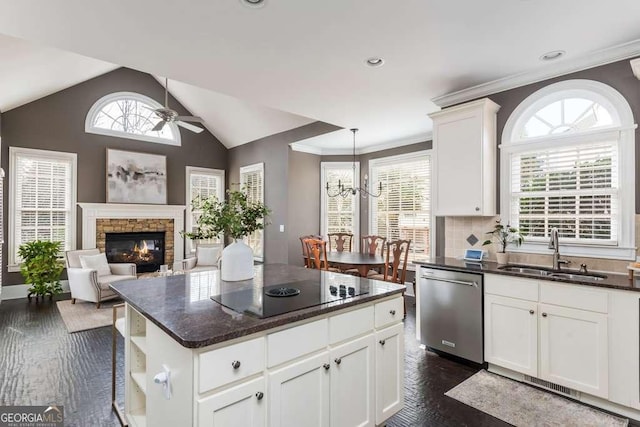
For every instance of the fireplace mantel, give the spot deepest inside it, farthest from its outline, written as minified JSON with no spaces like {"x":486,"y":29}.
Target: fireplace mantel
{"x":93,"y":211}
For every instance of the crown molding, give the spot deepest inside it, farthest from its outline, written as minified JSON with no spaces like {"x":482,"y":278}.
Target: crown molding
{"x":303,"y":148}
{"x":635,"y":66}
{"x":594,"y":59}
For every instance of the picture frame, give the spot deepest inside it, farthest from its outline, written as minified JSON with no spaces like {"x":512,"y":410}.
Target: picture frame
{"x":137,"y":178}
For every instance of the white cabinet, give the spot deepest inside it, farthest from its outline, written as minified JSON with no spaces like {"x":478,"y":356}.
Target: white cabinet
{"x":243,"y":405}
{"x":560,"y":337}
{"x":464,"y":140}
{"x":573,"y":349}
{"x":511,"y":333}
{"x":389,"y":356}
{"x":299,"y":393}
{"x":352,"y":392}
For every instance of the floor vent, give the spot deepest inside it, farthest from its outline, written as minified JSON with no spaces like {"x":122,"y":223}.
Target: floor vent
{"x":551,"y":386}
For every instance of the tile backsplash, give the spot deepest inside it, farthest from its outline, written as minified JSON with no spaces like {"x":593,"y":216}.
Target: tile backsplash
{"x":458,"y":232}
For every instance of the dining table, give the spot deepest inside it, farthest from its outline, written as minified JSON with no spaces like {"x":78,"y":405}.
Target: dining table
{"x":356,"y":260}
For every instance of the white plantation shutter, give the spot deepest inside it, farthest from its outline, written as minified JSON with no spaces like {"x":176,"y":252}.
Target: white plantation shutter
{"x":340,"y":214}
{"x":204,"y":183}
{"x":252,"y":180}
{"x":403,"y":211}
{"x":573,"y":188}
{"x":43,"y":198}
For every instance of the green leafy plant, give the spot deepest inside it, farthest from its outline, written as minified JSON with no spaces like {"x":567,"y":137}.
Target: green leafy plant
{"x":504,"y":235}
{"x":235,"y":217}
{"x":41,"y":266}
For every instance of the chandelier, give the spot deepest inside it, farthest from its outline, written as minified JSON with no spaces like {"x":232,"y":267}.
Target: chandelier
{"x":341,"y":190}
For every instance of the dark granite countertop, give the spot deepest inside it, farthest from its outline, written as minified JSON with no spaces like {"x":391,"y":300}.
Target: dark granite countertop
{"x":181,"y":306}
{"x":612,"y":281}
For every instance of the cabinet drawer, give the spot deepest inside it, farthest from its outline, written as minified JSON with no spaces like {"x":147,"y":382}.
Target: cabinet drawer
{"x":351,"y":324}
{"x":574,"y":296}
{"x":388,"y":312}
{"x":219,"y":367}
{"x":296,"y":342}
{"x":509,"y":286}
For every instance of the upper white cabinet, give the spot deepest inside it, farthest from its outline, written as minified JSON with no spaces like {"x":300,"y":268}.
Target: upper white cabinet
{"x":464,"y":140}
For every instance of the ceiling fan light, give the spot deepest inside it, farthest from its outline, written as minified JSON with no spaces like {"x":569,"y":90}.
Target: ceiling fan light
{"x":253,"y":3}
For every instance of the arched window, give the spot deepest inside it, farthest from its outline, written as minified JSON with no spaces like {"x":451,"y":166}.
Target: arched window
{"x":567,"y":162}
{"x":129,"y":115}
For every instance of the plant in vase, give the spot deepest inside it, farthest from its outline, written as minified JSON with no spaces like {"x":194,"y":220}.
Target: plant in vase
{"x":502,"y":236}
{"x":41,"y":267}
{"x":235,"y":217}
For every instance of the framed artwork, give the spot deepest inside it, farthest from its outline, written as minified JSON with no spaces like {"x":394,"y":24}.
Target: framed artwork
{"x":136,"y":177}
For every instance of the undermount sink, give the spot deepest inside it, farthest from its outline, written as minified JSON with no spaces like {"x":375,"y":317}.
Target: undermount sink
{"x":547,"y":272}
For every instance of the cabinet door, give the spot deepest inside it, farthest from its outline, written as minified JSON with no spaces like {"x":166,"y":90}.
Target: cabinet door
{"x":389,"y":372}
{"x":459,"y":164}
{"x":242,"y":405}
{"x":511,"y":334}
{"x":299,"y":393}
{"x":352,"y":393}
{"x":573,"y":349}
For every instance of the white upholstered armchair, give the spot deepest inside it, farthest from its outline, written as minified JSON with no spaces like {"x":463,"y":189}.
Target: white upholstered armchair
{"x":206,"y":258}
{"x":90,"y":276}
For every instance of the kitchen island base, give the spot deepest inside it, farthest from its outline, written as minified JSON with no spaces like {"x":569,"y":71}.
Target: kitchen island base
{"x":342,"y":368}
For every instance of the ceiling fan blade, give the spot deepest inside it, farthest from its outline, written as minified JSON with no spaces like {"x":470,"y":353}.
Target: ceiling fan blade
{"x":190,"y":119}
{"x":188,"y":126}
{"x":158,"y":127}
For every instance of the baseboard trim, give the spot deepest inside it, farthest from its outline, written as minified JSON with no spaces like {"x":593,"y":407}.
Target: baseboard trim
{"x":21,"y":291}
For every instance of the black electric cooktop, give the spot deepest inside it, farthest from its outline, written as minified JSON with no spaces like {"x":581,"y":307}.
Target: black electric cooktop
{"x":270,"y":301}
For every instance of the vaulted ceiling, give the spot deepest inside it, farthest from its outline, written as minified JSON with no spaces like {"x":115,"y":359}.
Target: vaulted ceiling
{"x":294,"y":61}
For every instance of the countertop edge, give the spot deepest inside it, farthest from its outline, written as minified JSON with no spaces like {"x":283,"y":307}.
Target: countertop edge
{"x":443,"y":265}
{"x":269,"y":323}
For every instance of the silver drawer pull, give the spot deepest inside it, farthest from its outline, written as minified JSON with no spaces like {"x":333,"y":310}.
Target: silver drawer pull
{"x":392,"y":312}
{"x":235,"y":364}
{"x":457,"y":282}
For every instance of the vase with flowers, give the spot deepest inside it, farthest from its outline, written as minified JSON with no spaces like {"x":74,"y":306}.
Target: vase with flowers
{"x":235,"y":218}
{"x":502,"y":236}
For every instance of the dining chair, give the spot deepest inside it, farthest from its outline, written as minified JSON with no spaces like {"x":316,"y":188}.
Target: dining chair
{"x":340,"y":241}
{"x":395,"y":269}
{"x":317,"y":251}
{"x":305,"y":251}
{"x":370,"y":245}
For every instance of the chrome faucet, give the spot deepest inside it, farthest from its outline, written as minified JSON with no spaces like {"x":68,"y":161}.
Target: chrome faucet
{"x":555,"y":245}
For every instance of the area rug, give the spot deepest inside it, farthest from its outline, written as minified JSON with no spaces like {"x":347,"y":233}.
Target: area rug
{"x":523,"y":405}
{"x":83,"y":315}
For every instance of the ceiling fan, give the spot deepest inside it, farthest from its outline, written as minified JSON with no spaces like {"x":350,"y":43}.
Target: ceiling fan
{"x":167,"y":115}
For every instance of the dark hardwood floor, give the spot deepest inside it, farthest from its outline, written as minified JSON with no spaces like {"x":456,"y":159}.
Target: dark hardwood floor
{"x":42,"y":364}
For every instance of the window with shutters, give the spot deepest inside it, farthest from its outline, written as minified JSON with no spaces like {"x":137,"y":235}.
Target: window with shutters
{"x":204,"y":183}
{"x":339,"y":214}
{"x":252,"y":181}
{"x":403,"y":210}
{"x":129,"y":115}
{"x":567,"y":163}
{"x":42,"y":199}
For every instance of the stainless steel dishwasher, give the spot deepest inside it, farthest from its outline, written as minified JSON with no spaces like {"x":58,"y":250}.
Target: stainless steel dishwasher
{"x":451,"y":312}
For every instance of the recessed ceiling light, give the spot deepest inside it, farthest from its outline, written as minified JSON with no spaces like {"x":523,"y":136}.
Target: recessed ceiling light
{"x":554,"y":54}
{"x":253,"y":3}
{"x":375,"y":62}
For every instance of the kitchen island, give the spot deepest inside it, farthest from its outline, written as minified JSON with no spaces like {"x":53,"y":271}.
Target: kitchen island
{"x":338,"y":362}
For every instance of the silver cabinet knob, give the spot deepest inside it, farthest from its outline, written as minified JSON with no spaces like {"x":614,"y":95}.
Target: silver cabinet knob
{"x":392,"y":312}
{"x":326,"y":366}
{"x":544,"y":314}
{"x":259,"y":395}
{"x":531,"y":311}
{"x":382,"y":342}
{"x":477,"y":209}
{"x":338,"y":361}
{"x":235,"y":364}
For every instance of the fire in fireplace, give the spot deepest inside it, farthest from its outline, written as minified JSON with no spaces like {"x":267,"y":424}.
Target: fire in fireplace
{"x":145,"y":249}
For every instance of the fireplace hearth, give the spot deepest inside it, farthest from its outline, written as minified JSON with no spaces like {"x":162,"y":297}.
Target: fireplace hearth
{"x":145,"y":249}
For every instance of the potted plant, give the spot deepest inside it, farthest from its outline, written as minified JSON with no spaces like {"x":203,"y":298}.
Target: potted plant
{"x":41,"y":267}
{"x":235,"y":217}
{"x":502,"y":236}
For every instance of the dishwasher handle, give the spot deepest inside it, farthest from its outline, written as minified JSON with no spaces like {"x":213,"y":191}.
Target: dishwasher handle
{"x":456,"y":282}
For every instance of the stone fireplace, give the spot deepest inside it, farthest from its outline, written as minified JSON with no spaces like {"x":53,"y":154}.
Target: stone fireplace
{"x":100,"y":219}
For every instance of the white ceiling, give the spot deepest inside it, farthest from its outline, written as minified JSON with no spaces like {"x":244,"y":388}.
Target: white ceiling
{"x":307,"y":58}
